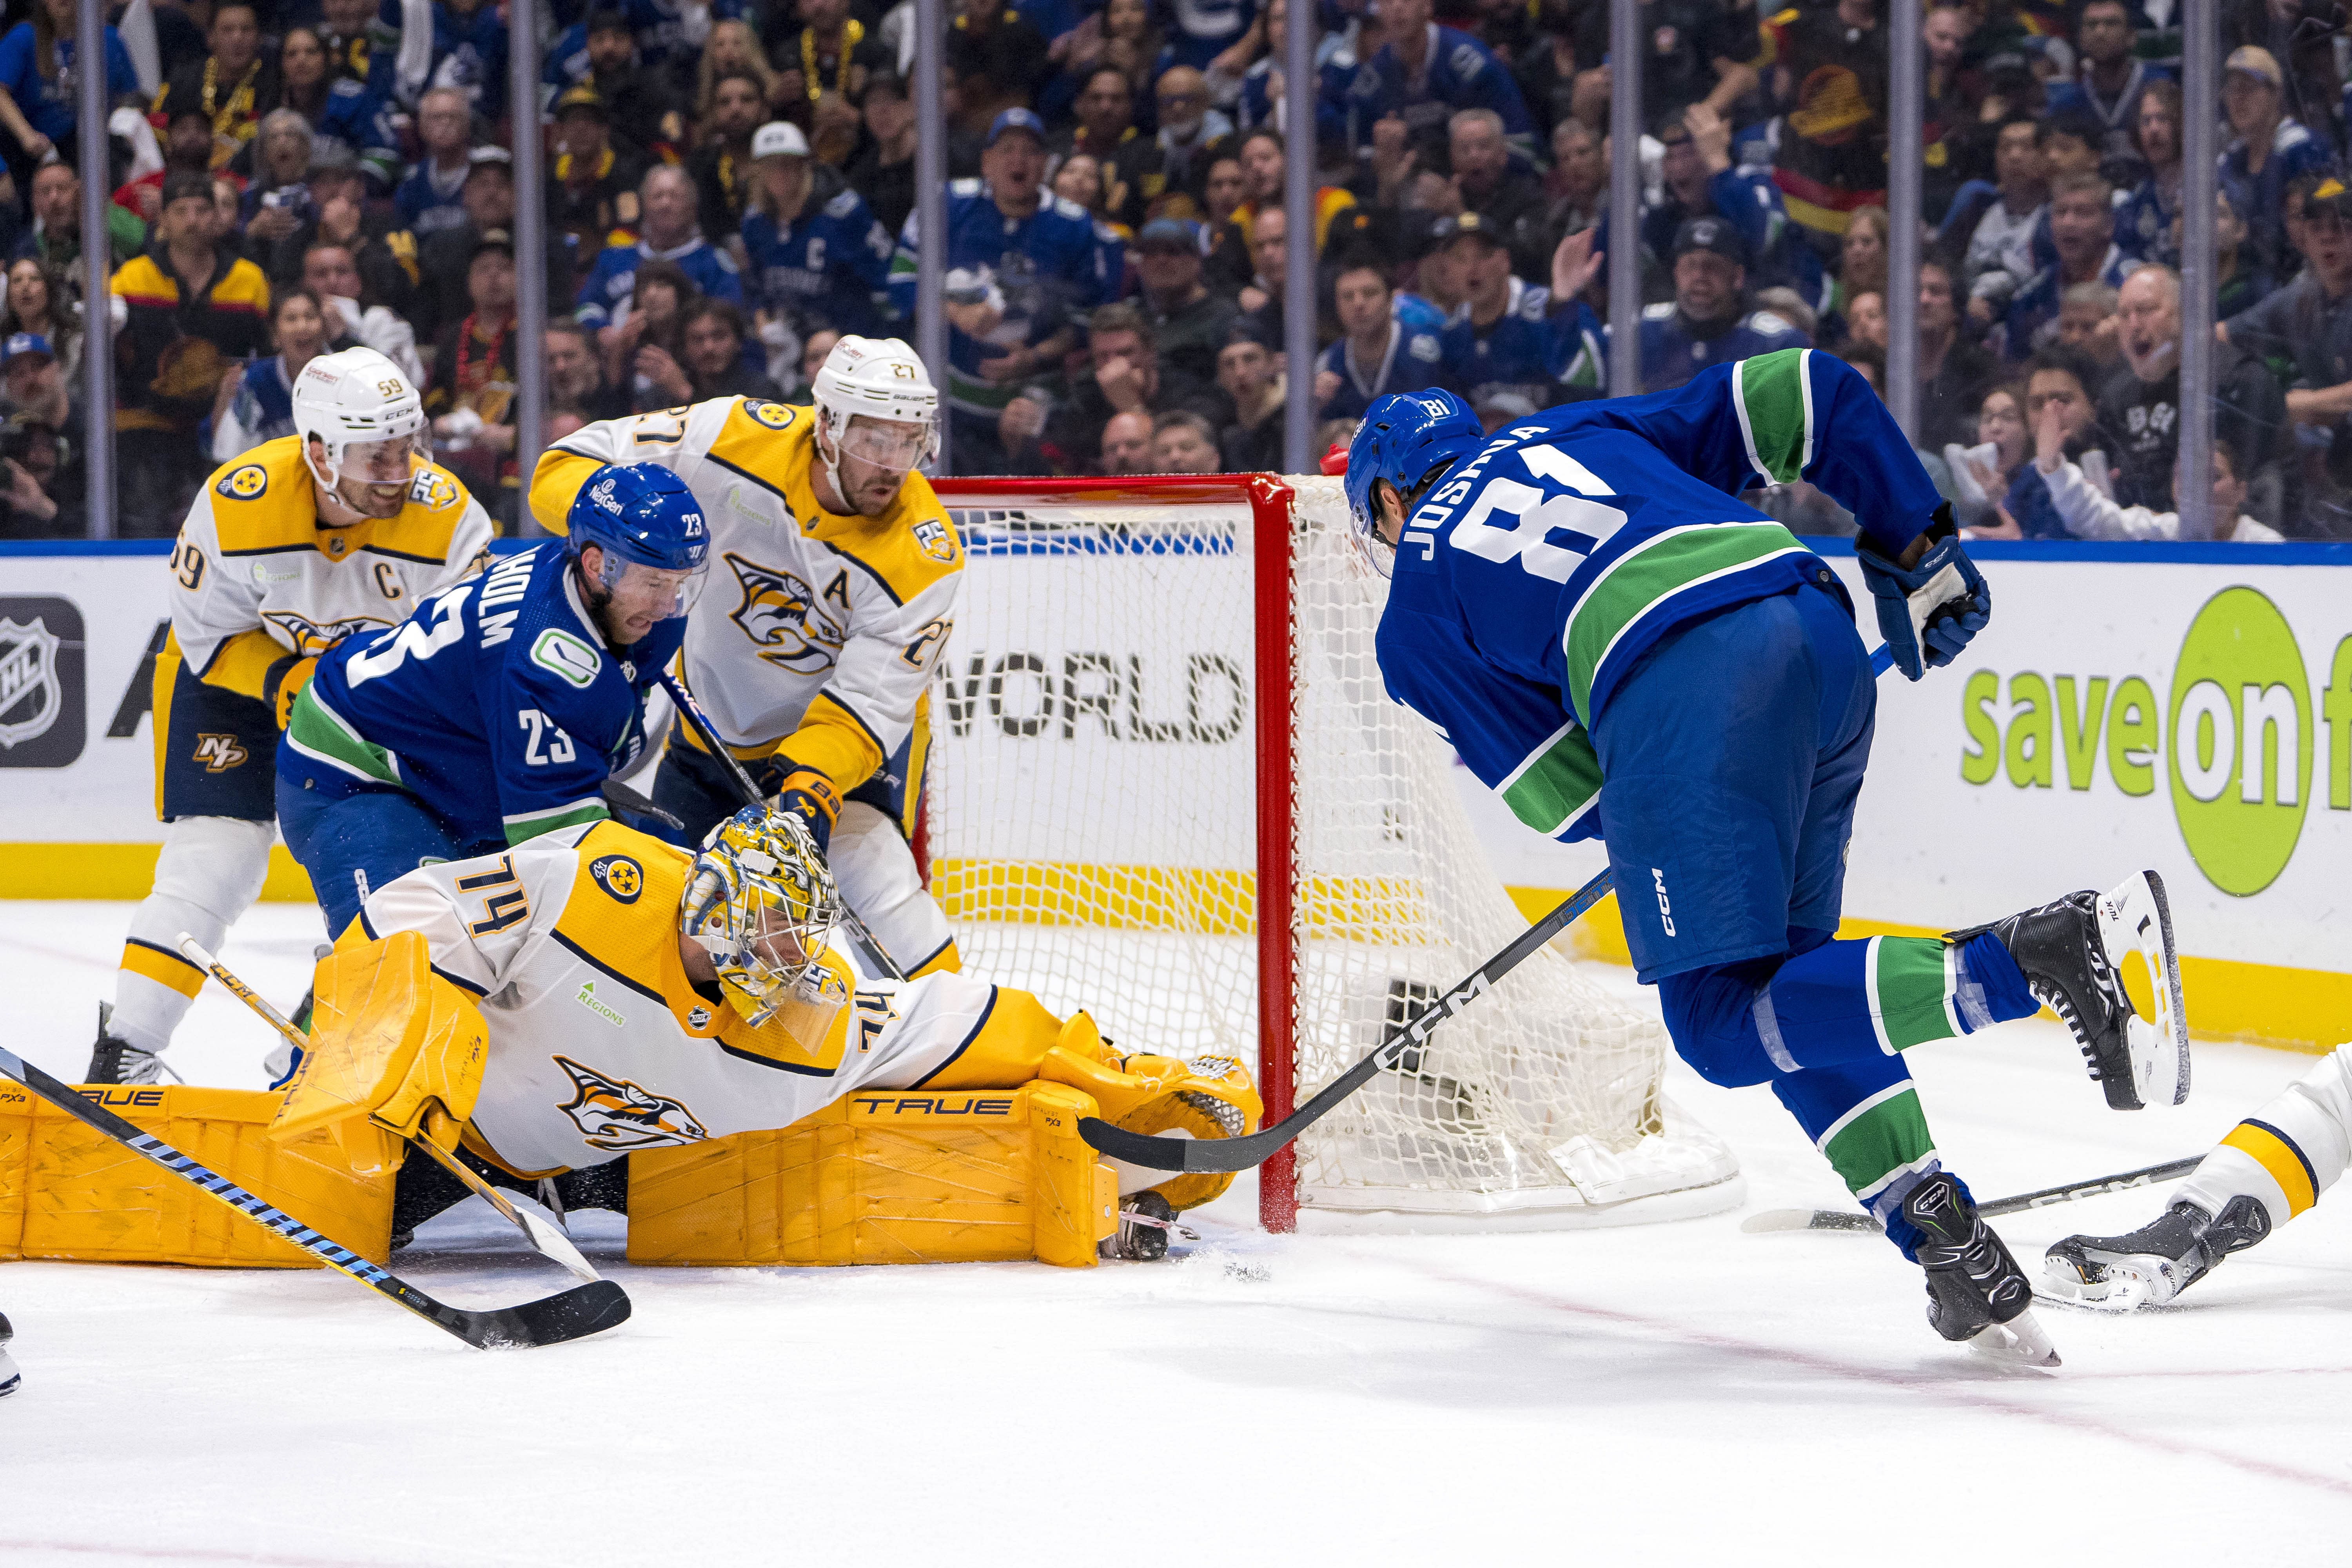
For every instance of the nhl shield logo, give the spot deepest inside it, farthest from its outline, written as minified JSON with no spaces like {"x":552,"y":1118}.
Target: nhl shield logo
{"x":31,"y":697}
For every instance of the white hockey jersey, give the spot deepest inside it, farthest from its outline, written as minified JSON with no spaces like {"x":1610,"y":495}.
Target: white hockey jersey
{"x":816,"y":633}
{"x":599,"y":1043}
{"x":257,"y":578}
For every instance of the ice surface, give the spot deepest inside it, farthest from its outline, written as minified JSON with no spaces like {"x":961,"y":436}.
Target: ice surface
{"x":1679,"y":1393}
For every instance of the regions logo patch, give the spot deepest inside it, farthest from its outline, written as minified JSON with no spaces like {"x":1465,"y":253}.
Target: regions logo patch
{"x":937,"y":539}
{"x":781,"y":615}
{"x":432,"y":489}
{"x":245,"y":483}
{"x":619,"y":876}
{"x":774,"y":416}
{"x":614,"y":1113}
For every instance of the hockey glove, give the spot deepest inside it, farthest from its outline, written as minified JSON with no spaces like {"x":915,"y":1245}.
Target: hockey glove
{"x":1928,"y":612}
{"x":284,"y":683}
{"x":810,"y":795}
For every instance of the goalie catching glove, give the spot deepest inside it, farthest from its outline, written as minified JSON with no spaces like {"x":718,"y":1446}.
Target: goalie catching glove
{"x":1929,"y":610}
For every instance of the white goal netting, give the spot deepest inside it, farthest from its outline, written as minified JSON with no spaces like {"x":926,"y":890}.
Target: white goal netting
{"x":1094,"y":788}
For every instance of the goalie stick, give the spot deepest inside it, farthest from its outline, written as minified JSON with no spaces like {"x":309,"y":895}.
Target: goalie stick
{"x":541,"y":1229}
{"x":1845,"y":1219}
{"x":886,"y":966}
{"x":570,"y":1314}
{"x":1226,"y":1155}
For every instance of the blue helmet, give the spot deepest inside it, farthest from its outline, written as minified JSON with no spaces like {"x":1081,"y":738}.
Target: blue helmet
{"x":638,"y":512}
{"x":1403,"y":436}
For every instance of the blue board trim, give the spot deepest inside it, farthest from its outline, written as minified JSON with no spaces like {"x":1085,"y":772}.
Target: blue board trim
{"x":2155,"y":552}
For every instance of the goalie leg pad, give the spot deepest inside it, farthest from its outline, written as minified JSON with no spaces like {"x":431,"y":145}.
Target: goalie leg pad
{"x":396,"y":1052}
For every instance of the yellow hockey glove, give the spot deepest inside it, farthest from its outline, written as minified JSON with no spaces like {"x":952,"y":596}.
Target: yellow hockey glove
{"x":1208,"y":1097}
{"x":284,"y":683}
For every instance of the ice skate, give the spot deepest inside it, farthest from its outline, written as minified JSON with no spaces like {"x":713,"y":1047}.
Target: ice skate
{"x":1977,"y":1295}
{"x":2152,"y":1265}
{"x":10,"y":1378}
{"x":2068,"y":951}
{"x":114,"y":1059}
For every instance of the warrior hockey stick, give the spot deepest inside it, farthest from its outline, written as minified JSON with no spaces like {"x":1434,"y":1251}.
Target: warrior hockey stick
{"x":541,"y":1229}
{"x":570,"y":1314}
{"x":883,"y":963}
{"x":1226,"y":1155}
{"x":1843,"y":1219}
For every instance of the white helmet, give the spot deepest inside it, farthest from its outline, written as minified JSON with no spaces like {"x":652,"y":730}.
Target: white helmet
{"x":882,"y":379}
{"x":355,"y":396}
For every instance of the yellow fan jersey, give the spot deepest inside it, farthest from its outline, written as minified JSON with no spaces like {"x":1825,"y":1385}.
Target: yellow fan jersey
{"x":816,"y":633}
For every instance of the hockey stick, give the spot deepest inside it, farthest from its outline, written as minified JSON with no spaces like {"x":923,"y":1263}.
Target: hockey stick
{"x":569,"y":1314}
{"x":1843,"y":1219}
{"x":542,"y":1230}
{"x":883,"y":963}
{"x":1225,"y":1156}
{"x":621,"y":797}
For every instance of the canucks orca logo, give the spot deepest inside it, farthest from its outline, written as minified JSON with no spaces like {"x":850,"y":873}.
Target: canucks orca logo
{"x":774,"y":416}
{"x":245,"y":483}
{"x":619,"y":876}
{"x":310,"y":637}
{"x":781,"y":615}
{"x":614,"y":1113}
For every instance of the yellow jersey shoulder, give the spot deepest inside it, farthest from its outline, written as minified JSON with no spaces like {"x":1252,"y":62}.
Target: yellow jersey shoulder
{"x":424,"y":527}
{"x":262,"y":501}
{"x":770,"y":442}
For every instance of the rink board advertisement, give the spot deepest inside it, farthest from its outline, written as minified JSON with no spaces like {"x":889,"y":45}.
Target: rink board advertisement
{"x":2186,"y":707}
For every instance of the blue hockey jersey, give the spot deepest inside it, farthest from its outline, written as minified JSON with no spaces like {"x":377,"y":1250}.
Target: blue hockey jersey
{"x":614,"y":278}
{"x":1672,"y":354}
{"x":1413,"y":359}
{"x":1530,"y":580}
{"x":470,"y":53}
{"x":832,"y":266}
{"x":498,"y":702}
{"x":1461,"y":73}
{"x":1526,"y":351}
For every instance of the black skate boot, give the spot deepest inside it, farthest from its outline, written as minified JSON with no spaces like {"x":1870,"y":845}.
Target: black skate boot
{"x":2150,"y":1265}
{"x":10,"y":1378}
{"x":2068,"y":951}
{"x":114,"y":1059}
{"x":1976,"y":1292}
{"x":1146,"y":1222}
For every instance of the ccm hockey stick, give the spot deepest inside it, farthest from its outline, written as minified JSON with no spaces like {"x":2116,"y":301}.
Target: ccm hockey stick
{"x":541,"y":1229}
{"x":884,"y":964}
{"x":1843,"y":1219}
{"x":1226,"y":1155}
{"x":570,"y":1314}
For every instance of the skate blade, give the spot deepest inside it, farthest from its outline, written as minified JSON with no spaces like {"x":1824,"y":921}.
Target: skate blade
{"x":2135,"y":917}
{"x":2019,"y":1344}
{"x":2122,"y":1284}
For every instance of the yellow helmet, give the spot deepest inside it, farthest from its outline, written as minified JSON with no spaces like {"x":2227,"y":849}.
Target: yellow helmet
{"x":760,"y":900}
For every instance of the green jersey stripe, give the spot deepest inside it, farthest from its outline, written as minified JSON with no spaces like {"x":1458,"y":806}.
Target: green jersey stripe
{"x":320,"y":734}
{"x":1558,"y":779}
{"x":1911,"y":991}
{"x":1879,"y":1139}
{"x":531,"y":823}
{"x":1672,"y":561}
{"x":1774,"y":398}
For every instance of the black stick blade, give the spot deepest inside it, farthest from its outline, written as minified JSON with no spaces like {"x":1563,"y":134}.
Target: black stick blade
{"x":1224,"y":1155}
{"x":572,"y":1314}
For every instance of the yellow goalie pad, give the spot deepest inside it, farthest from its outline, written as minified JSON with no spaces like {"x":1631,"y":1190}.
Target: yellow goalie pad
{"x":396,"y":1052}
{"x":69,"y":1194}
{"x":926,"y":1176}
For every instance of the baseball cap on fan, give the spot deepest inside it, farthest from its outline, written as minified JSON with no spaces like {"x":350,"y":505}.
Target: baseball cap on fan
{"x":1710,"y":233}
{"x":779,"y":139}
{"x":23,"y":344}
{"x":1170,"y":234}
{"x":2255,"y":61}
{"x":1016,"y":120}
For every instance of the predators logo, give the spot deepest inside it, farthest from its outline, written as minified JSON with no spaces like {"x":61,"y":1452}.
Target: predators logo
{"x":432,"y":489}
{"x":218,"y":753}
{"x":614,"y":1113}
{"x":246,"y":483}
{"x":310,"y":637}
{"x":781,"y":616}
{"x":774,"y":416}
{"x":619,"y":876}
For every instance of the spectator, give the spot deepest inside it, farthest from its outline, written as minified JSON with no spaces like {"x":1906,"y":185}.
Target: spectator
{"x":818,"y":258}
{"x":1706,"y":325}
{"x":2295,"y":328}
{"x":667,"y":197}
{"x":652,"y":330}
{"x":2082,"y":229}
{"x":1866,"y":324}
{"x":1130,"y":163}
{"x":55,"y":238}
{"x":2000,"y":248}
{"x":1005,"y":325}
{"x":342,"y":29}
{"x":1546,"y":73}
{"x":1125,"y":36}
{"x":1952,"y":371}
{"x":2088,"y":512}
{"x":1421,"y":74}
{"x":1248,"y":377}
{"x":2144,"y":223}
{"x":812,"y":360}
{"x":1125,"y":373}
{"x":257,"y":399}
{"x":645,"y":114}
{"x":470,"y":397}
{"x":1379,"y":354}
{"x":2272,"y":149}
{"x":595,"y":183}
{"x":277,"y":200}
{"x":1830,"y":66}
{"x":1578,"y":183}
{"x":714,"y":356}
{"x":830,"y":52}
{"x":723,"y":161}
{"x":1506,"y":337}
{"x":1183,"y":443}
{"x":37,"y":304}
{"x":39,"y":501}
{"x":444,"y":258}
{"x":1261,"y":298}
{"x":733,"y":48}
{"x":1191,"y":135}
{"x":1984,"y":472}
{"x":2241,"y":286}
{"x":1861,"y":259}
{"x":1510,"y":199}
{"x":1125,"y":446}
{"x":429,"y":199}
{"x":576,"y":380}
{"x":883,"y":172}
{"x":2057,"y":388}
{"x":38,"y":96}
{"x":1190,"y":323}
{"x":1698,"y":53}
{"x":187,"y":148}
{"x":331,"y":271}
{"x":1221,"y":192}
{"x":339,"y":110}
{"x":2108,"y":86}
{"x":231,"y":83}
{"x":464,"y":48}
{"x":1788,"y":309}
{"x":997,"y":59}
{"x":34,"y":385}
{"x":2139,"y":408}
{"x":1262,"y":165}
{"x":2087,"y":323}
{"x":190,"y":308}
{"x":1699,"y":180}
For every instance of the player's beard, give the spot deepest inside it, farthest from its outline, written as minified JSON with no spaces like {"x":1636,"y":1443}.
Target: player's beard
{"x":369,"y":499}
{"x":871,"y":487}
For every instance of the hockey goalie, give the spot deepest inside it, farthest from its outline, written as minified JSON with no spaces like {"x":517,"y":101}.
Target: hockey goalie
{"x":596,"y":991}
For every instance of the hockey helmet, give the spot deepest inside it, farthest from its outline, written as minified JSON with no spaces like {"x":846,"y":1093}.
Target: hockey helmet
{"x":362,"y":409}
{"x":640,"y":515}
{"x":1405,"y":437}
{"x":883,"y":380}
{"x":762,"y":902}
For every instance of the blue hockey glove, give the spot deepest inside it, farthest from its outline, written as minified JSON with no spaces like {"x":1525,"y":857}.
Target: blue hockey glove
{"x":1928,"y":612}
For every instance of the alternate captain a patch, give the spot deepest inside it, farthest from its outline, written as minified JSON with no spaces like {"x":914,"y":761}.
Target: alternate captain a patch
{"x":245,"y":483}
{"x":618,"y":875}
{"x":614,"y":1113}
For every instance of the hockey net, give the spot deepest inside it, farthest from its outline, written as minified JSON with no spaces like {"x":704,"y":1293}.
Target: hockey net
{"x":1165,"y":785}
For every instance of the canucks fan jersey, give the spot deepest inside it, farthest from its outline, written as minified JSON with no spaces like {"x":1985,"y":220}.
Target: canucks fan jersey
{"x":1672,"y":354}
{"x":830,"y":268}
{"x":497,"y":703}
{"x":1527,"y":351}
{"x":1458,"y":72}
{"x":1412,"y":360}
{"x":1531,"y":579}
{"x":816,"y":633}
{"x":599,"y":1045}
{"x":604,"y":293}
{"x":258,"y":580}
{"x":469,"y":53}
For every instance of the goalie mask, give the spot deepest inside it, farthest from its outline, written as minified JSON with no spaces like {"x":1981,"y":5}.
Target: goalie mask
{"x":875,"y":403}
{"x":370,"y":423}
{"x":761,"y":903}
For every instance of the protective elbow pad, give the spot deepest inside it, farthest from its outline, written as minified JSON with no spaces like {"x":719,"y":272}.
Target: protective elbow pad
{"x":396,"y":1052}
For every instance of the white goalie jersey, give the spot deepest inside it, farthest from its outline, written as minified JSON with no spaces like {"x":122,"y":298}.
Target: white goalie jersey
{"x":600,"y":1045}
